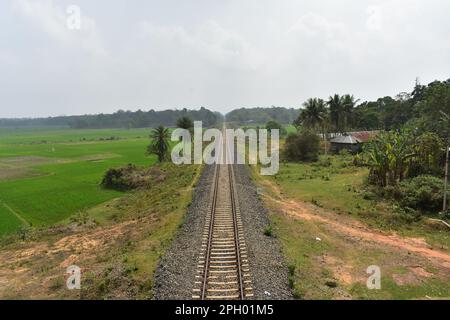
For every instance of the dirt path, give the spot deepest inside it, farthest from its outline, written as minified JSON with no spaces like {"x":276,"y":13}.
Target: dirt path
{"x":352,"y":227}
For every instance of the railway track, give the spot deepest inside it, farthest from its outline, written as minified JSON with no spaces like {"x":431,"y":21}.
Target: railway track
{"x":223,"y":270}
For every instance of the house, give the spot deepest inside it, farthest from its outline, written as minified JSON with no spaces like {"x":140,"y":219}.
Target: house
{"x":352,"y":141}
{"x":346,"y":142}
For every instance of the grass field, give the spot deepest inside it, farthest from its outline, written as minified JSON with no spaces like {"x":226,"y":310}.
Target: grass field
{"x":290,"y":129}
{"x":335,"y":184}
{"x":331,"y":204}
{"x":47,"y":175}
{"x":118,"y":243}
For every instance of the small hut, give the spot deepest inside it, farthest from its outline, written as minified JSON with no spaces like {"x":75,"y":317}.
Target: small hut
{"x":347,"y":142}
{"x":351,"y":141}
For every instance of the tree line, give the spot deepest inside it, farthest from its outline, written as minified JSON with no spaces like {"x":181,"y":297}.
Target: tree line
{"x":263,"y":115}
{"x":120,"y":119}
{"x":425,"y":108}
{"x":406,"y":159}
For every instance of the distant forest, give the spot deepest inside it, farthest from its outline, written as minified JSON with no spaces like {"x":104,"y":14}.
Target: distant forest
{"x":119,"y":119}
{"x":263,"y":115}
{"x":423,"y":107}
{"x":426,"y":107}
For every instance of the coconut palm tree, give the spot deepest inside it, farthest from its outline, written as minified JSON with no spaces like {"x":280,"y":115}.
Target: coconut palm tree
{"x":314,"y":114}
{"x":159,"y":143}
{"x":348,"y":104}
{"x":335,"y":104}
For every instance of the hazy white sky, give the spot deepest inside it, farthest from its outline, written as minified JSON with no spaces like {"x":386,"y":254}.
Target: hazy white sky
{"x":220,"y":54}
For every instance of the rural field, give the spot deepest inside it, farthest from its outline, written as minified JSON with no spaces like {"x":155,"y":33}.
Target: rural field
{"x":238,"y":158}
{"x":47,"y":175}
{"x":332,"y":228}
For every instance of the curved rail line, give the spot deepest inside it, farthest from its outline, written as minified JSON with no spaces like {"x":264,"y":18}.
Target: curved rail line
{"x":223,"y":270}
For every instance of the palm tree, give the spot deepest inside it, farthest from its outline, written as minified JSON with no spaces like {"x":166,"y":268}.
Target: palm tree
{"x":314,"y":114}
{"x":159,"y":143}
{"x":348,"y":104}
{"x":336,"y":111}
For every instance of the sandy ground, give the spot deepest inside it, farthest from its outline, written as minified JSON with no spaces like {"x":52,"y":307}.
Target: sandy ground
{"x":357,"y":229}
{"x":349,"y":226}
{"x":30,"y":269}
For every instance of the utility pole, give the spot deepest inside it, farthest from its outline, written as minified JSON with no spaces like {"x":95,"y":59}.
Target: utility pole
{"x":445,"y":207}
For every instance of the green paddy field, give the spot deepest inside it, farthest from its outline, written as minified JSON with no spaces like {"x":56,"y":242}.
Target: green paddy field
{"x":46,"y":175}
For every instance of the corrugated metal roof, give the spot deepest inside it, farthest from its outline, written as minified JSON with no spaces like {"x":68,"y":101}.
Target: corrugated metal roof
{"x":365,"y":136}
{"x":346,"y":140}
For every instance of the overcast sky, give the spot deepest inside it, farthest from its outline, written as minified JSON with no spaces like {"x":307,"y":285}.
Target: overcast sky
{"x":220,"y":54}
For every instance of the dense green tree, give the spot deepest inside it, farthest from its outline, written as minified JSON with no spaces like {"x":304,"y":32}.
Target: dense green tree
{"x":366,"y":117}
{"x":271,"y":124}
{"x":302,"y":146}
{"x":185,"y":123}
{"x":433,"y":106}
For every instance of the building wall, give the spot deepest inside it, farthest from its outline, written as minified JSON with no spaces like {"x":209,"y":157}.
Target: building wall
{"x":352,"y":148}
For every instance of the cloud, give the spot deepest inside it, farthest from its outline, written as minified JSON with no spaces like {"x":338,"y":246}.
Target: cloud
{"x":210,"y":42}
{"x":52,"y":20}
{"x":221,"y":55}
{"x":374,"y":20}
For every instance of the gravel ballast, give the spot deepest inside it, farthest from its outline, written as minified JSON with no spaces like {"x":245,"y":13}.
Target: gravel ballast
{"x":174,"y":277}
{"x":267,"y":265}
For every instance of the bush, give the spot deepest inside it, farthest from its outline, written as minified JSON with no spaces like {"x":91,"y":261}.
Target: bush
{"x":118,"y":178}
{"x":268,"y":231}
{"x":302,"y":147}
{"x":270,"y":125}
{"x":423,"y":193}
{"x":131,"y":177}
{"x":446,"y":214}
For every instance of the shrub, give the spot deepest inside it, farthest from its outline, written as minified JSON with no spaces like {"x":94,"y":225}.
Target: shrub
{"x":270,"y":125}
{"x":325,"y":162}
{"x":131,"y":177}
{"x":344,"y":152}
{"x":268,"y":231}
{"x":291,"y":268}
{"x":422,"y":193}
{"x":446,"y":214}
{"x":80,"y":218}
{"x":302,"y":147}
{"x":118,"y":178}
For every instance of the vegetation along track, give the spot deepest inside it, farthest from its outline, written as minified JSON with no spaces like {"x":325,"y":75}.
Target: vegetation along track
{"x":223,"y":269}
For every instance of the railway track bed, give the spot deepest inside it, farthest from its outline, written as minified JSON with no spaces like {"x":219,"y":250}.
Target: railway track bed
{"x":223,"y":271}
{"x":220,"y":251}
